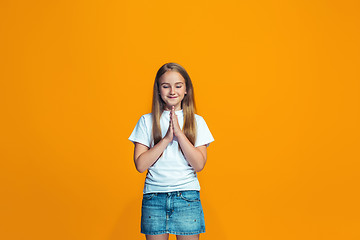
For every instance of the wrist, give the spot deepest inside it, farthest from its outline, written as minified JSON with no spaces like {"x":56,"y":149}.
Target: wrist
{"x":166,"y":140}
{"x":179,"y":134}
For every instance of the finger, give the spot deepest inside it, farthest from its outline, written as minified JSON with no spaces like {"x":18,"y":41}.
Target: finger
{"x":172,"y":122}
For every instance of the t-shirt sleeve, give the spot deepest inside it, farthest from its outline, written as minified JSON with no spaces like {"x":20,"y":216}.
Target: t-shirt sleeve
{"x":140,"y":133}
{"x":203,"y":136}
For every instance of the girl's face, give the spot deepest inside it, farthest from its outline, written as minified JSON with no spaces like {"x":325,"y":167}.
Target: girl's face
{"x":172,"y":89}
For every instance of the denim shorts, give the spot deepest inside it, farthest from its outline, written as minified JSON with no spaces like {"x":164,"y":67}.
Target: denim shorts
{"x":178,"y":213}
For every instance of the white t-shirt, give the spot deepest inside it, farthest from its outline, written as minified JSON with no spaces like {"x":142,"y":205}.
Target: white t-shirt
{"x":171,"y":172}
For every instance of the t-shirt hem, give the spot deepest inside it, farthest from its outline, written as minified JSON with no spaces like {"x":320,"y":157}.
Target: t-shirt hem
{"x":193,"y":185}
{"x":205,"y":143}
{"x":139,"y":141}
{"x":174,"y":190}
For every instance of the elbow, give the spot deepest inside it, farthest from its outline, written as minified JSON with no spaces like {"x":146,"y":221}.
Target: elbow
{"x":201,"y":163}
{"x":199,"y":168}
{"x":140,"y":169}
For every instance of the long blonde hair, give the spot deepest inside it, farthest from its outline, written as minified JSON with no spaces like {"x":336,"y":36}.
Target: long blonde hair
{"x":187,"y":104}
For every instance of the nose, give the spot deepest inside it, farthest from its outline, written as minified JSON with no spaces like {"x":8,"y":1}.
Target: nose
{"x":172,"y":91}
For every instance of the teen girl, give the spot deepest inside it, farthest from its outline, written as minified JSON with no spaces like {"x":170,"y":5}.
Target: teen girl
{"x":170,"y":143}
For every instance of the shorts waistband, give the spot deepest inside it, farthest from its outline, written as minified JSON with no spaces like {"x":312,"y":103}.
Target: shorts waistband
{"x":177,"y":193}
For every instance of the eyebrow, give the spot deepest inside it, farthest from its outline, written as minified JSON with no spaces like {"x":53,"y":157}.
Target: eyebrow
{"x":169,"y":83}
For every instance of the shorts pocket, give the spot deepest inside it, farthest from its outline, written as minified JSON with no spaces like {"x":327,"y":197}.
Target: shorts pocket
{"x":148,"y":196}
{"x":190,"y":196}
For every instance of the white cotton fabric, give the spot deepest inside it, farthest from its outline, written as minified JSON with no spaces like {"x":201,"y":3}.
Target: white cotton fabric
{"x":171,"y":172}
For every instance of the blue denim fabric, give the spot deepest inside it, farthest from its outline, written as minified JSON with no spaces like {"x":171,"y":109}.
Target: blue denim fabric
{"x":178,"y":213}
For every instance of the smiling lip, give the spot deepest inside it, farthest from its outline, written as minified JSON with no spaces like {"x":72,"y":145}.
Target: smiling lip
{"x":172,"y":97}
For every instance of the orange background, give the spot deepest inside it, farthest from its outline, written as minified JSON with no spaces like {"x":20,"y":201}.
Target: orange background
{"x":276,"y":81}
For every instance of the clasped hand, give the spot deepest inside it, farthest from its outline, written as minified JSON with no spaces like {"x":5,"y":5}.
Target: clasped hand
{"x":174,"y":127}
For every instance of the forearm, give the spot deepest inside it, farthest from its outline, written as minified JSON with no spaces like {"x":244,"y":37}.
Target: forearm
{"x":193,"y":155}
{"x":148,"y":158}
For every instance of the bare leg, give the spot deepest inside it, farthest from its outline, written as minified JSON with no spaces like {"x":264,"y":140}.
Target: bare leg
{"x":158,"y":237}
{"x":188,"y":237}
